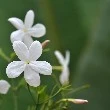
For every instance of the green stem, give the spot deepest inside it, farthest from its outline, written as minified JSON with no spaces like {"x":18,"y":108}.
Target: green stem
{"x":8,"y":59}
{"x":43,"y":107}
{"x":37,"y":101}
{"x":48,"y":104}
{"x":15,"y":101}
{"x":58,"y":83}
{"x":62,"y":100}
{"x":53,"y":90}
{"x":12,"y":56}
{"x":59,"y":103}
{"x":52,"y":96}
{"x":14,"y":96}
{"x":4,"y":56}
{"x":59,"y":68}
{"x":78,"y":89}
{"x":32,"y":96}
{"x":46,"y":50}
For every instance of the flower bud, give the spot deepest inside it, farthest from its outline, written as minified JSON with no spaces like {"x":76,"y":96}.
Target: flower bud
{"x":78,"y":101}
{"x":45,"y":43}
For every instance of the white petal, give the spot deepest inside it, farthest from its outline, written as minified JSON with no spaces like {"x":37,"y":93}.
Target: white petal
{"x":38,"y":30}
{"x":64,"y":77}
{"x":16,"y":22}
{"x":60,"y":57}
{"x":21,"y":50}
{"x":28,"y":40}
{"x":31,"y":76}
{"x":4,"y":86}
{"x":17,"y":36}
{"x":41,"y":67}
{"x":29,"y":19}
{"x":35,"y":51}
{"x":67,"y":59}
{"x":15,"y":68}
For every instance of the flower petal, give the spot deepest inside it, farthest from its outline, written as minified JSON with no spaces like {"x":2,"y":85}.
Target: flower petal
{"x":27,"y":40}
{"x":38,"y":30}
{"x":35,"y":51}
{"x":31,"y":76}
{"x":41,"y":67}
{"x":64,"y":77}
{"x":67,"y":59}
{"x":4,"y":86}
{"x":15,"y":68}
{"x":17,"y":36}
{"x":60,"y":57}
{"x":16,"y":22}
{"x":29,"y":19}
{"x":21,"y":50}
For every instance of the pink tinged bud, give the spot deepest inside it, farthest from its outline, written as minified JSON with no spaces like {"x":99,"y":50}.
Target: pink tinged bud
{"x":78,"y":101}
{"x":45,"y":43}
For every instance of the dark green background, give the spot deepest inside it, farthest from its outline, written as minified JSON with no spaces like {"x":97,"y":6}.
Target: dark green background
{"x":81,"y":26}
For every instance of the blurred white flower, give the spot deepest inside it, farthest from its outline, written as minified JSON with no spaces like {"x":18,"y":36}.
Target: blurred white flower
{"x":4,"y":86}
{"x":28,"y":63}
{"x":26,"y":30}
{"x":64,"y":77}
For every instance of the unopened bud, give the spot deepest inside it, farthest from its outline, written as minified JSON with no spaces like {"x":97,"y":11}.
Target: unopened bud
{"x":76,"y":101}
{"x":45,"y":43}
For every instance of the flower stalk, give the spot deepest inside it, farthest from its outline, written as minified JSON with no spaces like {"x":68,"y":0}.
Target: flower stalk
{"x":15,"y":101}
{"x":4,"y":56}
{"x":58,"y":68}
{"x":32,"y":96}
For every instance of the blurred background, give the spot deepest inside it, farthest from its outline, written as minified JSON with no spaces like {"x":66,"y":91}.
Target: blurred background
{"x":81,"y":26}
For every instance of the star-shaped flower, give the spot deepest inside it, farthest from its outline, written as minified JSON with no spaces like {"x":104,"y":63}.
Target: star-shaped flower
{"x":64,"y":77}
{"x":28,"y":63}
{"x":4,"y":86}
{"x":26,"y":30}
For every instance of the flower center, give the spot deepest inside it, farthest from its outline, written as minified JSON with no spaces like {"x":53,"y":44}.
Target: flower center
{"x":27,"y":62}
{"x":25,"y":30}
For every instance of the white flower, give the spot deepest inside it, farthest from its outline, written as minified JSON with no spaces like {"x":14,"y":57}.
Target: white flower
{"x":28,"y":63}
{"x":25,"y":30}
{"x":4,"y":86}
{"x":64,"y":77}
